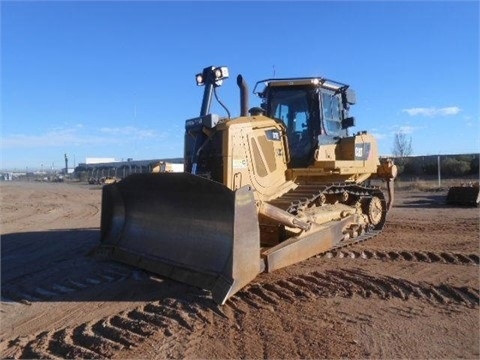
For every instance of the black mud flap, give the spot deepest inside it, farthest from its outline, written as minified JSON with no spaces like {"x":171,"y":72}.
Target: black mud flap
{"x":183,"y":227}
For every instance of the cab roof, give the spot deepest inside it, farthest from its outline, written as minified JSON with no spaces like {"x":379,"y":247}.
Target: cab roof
{"x":301,"y":81}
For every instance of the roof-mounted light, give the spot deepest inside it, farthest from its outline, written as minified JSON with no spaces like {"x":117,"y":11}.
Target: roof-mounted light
{"x":213,"y":75}
{"x":221,"y":73}
{"x":199,"y":79}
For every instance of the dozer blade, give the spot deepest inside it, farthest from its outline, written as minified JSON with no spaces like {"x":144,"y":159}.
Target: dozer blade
{"x":464,"y":195}
{"x":184,"y":227}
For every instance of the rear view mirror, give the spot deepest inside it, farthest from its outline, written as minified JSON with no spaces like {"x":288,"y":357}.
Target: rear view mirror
{"x":348,"y":122}
{"x":349,"y":97}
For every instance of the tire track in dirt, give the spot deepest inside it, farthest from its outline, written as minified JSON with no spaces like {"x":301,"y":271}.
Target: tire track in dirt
{"x":185,"y":319}
{"x":243,"y":311}
{"x":62,"y":280}
{"x":182,"y":322}
{"x":48,"y":202}
{"x":103,"y":338}
{"x":398,"y":255}
{"x":349,"y":283}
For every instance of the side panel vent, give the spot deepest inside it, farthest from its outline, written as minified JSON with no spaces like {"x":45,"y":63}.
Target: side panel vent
{"x":269,"y":152}
{"x":260,"y":167}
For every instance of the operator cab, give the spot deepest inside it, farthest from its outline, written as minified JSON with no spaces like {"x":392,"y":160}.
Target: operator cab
{"x":313,"y":110}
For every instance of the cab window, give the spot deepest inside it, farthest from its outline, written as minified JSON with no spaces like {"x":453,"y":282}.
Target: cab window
{"x":331,"y":113}
{"x":294,"y":107}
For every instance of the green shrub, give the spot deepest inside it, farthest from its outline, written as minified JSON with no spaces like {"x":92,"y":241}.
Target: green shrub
{"x":455,"y":167}
{"x":474,"y":166}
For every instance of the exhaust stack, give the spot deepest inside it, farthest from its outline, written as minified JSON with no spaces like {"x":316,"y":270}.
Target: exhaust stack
{"x":242,"y":84}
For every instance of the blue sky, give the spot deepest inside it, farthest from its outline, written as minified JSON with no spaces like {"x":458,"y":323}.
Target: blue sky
{"x":116,"y":79}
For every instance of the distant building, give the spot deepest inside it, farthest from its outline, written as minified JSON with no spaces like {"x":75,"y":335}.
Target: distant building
{"x":120,"y":169}
{"x":6,"y":176}
{"x":95,"y":160}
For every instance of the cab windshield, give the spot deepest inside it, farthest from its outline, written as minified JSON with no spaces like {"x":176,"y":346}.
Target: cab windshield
{"x":307,"y":113}
{"x":297,"y":107}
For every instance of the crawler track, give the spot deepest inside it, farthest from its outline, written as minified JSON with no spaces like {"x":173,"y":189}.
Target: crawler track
{"x":306,"y":196}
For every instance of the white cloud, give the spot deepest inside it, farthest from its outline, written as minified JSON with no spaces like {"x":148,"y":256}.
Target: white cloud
{"x":406,"y":129}
{"x":76,"y":135}
{"x":432,"y":111}
{"x":129,"y":131}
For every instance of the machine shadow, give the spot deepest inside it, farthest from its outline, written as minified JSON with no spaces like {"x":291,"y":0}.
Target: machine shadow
{"x":424,"y":201}
{"x":60,"y":266}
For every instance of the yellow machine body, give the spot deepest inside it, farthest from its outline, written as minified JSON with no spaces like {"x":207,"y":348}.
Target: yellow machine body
{"x":259,"y":192}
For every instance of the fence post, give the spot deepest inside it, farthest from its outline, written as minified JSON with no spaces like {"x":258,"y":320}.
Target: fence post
{"x":439,"y":175}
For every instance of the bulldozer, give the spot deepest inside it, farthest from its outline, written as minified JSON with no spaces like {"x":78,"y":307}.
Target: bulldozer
{"x":274,"y":186}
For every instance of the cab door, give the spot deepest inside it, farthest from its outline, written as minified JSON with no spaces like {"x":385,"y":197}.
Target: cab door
{"x":331,"y":110}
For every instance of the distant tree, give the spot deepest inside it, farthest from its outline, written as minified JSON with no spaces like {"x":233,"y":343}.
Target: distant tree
{"x":402,"y":146}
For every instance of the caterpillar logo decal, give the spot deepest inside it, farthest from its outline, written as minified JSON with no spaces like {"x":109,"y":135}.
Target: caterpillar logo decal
{"x":273,"y":135}
{"x":362,"y":151}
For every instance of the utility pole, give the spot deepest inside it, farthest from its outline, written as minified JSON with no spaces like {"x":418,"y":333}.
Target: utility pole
{"x":439,"y":172}
{"x":66,"y":164}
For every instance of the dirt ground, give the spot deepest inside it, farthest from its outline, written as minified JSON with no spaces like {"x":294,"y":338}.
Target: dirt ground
{"x":410,"y":292}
